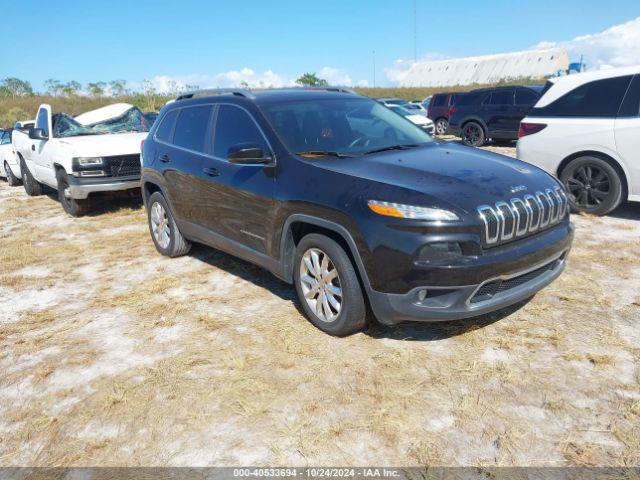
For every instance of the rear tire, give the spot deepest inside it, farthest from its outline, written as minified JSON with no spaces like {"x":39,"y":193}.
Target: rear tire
{"x":74,"y":207}
{"x":442,"y":124}
{"x":164,"y":231}
{"x":473,"y":134}
{"x":327,"y":286}
{"x":593,"y":185}
{"x":12,"y":180}
{"x":30,"y":184}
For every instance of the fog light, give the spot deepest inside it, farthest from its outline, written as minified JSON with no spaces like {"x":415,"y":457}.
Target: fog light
{"x":92,"y":173}
{"x":434,"y":252}
{"x":422,"y":294}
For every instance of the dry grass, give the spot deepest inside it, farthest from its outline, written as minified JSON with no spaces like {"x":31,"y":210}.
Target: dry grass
{"x":114,"y":355}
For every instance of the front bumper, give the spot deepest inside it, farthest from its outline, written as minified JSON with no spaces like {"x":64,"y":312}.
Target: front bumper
{"x":510,"y":282}
{"x":80,"y":188}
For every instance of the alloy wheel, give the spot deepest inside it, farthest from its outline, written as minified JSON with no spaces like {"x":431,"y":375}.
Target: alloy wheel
{"x":589,"y":186}
{"x":472,"y":134}
{"x":320,"y":284}
{"x":160,"y":225}
{"x":441,"y":127}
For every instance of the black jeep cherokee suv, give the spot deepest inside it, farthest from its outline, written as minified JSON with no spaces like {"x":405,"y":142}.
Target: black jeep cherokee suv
{"x":491,"y":113}
{"x":352,"y":203}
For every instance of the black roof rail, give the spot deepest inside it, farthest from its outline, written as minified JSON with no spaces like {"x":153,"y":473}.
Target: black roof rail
{"x":238,"y":92}
{"x":333,"y":89}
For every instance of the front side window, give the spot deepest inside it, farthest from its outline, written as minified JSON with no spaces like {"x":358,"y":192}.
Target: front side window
{"x":6,"y":138}
{"x":43,"y":121}
{"x":164,"y":133}
{"x":348,"y":126}
{"x":235,"y":127}
{"x":600,"y":98}
{"x":191,"y":128}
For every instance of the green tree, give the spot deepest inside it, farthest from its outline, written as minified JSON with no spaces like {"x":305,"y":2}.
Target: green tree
{"x":311,"y":80}
{"x":14,"y":87}
{"x":53,"y":87}
{"x":71,"y":88}
{"x":118,"y":88}
{"x":96,"y":89}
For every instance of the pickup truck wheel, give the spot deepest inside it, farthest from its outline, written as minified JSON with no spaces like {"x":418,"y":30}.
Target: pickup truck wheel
{"x":74,"y":207}
{"x":441,"y":126}
{"x":12,"y":180}
{"x":473,"y":134}
{"x":164,"y":231}
{"x":30,"y":184}
{"x":328,"y":287}
{"x":593,"y":185}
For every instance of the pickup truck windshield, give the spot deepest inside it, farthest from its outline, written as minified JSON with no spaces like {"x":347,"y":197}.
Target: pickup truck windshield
{"x":131,"y":121}
{"x":346,"y":127}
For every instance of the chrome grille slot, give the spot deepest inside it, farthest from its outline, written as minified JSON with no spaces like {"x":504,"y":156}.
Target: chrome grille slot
{"x":520,"y":217}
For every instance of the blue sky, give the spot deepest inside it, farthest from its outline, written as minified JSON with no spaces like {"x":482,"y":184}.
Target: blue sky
{"x":198,"y":41}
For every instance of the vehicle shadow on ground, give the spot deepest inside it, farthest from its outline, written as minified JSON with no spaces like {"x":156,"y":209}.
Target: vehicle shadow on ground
{"x":627,"y":211}
{"x":244,"y":270}
{"x":415,"y":331}
{"x":104,"y":203}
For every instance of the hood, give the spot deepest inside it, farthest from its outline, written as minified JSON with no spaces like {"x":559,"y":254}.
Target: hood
{"x":104,"y":145}
{"x":445,"y":174}
{"x":418,"y":119}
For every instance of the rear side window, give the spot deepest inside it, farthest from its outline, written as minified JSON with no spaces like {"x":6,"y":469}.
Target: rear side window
{"x":600,"y":98}
{"x":165,"y":129}
{"x":191,"y":128}
{"x":526,"y":97}
{"x":631,"y":103}
{"x":501,"y":97}
{"x":439,"y":100}
{"x":234,"y":126}
{"x":468,"y":98}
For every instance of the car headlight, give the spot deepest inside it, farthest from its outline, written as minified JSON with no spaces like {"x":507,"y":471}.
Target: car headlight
{"x":88,"y":161}
{"x":399,"y":210}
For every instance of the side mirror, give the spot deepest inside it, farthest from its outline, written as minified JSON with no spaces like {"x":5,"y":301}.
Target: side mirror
{"x":247,"y":153}
{"x":37,"y":134}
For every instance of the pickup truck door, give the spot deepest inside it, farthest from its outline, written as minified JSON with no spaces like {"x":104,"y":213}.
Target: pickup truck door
{"x":627,"y":134}
{"x":40,"y":150}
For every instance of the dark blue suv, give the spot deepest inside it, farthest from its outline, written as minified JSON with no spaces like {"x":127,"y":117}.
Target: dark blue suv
{"x":352,"y":203}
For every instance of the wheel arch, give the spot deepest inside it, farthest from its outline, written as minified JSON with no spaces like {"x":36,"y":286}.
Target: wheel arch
{"x":602,"y":156}
{"x":299,"y":225}
{"x":477,"y":120}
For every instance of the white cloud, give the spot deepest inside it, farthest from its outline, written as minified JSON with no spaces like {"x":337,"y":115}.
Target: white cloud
{"x":236,"y":78}
{"x":617,"y":46}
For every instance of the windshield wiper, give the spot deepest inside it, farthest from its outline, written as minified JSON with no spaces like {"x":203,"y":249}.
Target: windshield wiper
{"x":323,"y":153}
{"x":392,"y":147}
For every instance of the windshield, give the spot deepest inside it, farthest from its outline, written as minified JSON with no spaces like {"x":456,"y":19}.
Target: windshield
{"x":347,"y":126}
{"x":130,"y":121}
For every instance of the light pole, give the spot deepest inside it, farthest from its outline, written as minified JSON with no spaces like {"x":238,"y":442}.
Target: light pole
{"x":373,"y":52}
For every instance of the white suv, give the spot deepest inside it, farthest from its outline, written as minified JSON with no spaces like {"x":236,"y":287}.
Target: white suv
{"x":585,"y":129}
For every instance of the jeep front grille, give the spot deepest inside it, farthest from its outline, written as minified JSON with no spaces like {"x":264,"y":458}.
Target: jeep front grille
{"x":524,"y":216}
{"x":123,"y":165}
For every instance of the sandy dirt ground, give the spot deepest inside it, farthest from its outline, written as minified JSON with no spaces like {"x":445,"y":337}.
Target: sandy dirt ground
{"x":113,"y":355}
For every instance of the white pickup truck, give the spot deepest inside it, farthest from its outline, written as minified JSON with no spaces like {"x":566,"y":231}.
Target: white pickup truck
{"x":98,"y":151}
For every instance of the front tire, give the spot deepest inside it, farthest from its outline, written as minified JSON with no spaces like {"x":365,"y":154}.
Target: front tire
{"x":593,"y":185}
{"x":473,"y":134}
{"x":12,"y":180}
{"x":30,"y":184}
{"x":164,"y":231}
{"x":442,"y":124}
{"x":74,"y":207}
{"x":327,"y":286}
